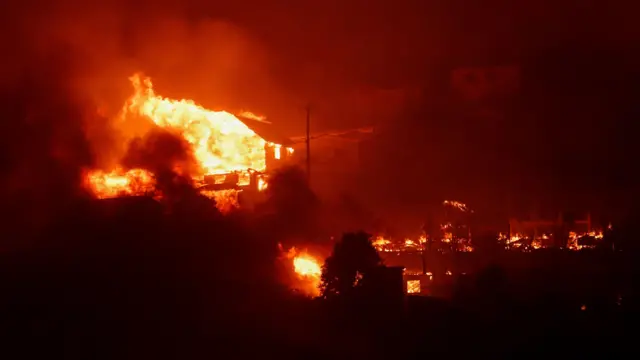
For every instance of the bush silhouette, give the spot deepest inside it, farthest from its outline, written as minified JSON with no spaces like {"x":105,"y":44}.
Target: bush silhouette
{"x":353,"y":257}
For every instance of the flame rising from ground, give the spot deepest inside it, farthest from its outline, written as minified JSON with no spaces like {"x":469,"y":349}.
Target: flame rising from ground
{"x":305,"y":265}
{"x":120,"y":182}
{"x":308,"y":271}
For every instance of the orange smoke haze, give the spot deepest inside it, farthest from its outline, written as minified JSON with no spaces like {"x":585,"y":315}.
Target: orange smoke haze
{"x":220,"y":63}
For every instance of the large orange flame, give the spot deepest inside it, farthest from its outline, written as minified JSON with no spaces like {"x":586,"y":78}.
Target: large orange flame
{"x":220,"y":142}
{"x":305,"y":265}
{"x":308,"y":271}
{"x":120,"y":182}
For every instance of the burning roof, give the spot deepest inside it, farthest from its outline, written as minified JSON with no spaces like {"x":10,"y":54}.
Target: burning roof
{"x":220,"y":141}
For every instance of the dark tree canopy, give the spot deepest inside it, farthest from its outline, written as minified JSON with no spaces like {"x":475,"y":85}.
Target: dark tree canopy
{"x":353,"y":257}
{"x":289,"y":190}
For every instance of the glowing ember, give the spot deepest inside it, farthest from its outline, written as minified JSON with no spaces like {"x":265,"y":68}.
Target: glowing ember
{"x":458,"y":205}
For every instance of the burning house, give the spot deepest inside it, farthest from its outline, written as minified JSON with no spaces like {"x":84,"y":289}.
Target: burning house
{"x":565,"y":231}
{"x":229,"y":156}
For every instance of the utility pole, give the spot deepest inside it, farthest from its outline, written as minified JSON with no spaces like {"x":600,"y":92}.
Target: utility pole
{"x":309,"y":144}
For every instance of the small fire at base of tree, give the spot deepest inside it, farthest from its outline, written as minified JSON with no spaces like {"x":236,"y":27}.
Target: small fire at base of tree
{"x":307,"y":270}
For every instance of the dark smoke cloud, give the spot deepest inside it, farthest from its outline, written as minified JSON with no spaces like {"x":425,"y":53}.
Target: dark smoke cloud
{"x":169,"y":157}
{"x":291,"y":208}
{"x":160,"y":150}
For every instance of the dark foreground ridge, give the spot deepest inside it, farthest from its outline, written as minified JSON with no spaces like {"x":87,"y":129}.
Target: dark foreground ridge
{"x":125,"y":278}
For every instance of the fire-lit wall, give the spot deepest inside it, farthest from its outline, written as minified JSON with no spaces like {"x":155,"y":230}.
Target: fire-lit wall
{"x":277,"y":155}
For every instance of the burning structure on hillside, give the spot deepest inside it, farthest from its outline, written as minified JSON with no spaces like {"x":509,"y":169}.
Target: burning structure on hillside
{"x":225,"y":157}
{"x":563,"y":232}
{"x":448,"y":230}
{"x":222,"y":158}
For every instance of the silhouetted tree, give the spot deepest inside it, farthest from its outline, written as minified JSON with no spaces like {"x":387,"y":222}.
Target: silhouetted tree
{"x":353,"y":257}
